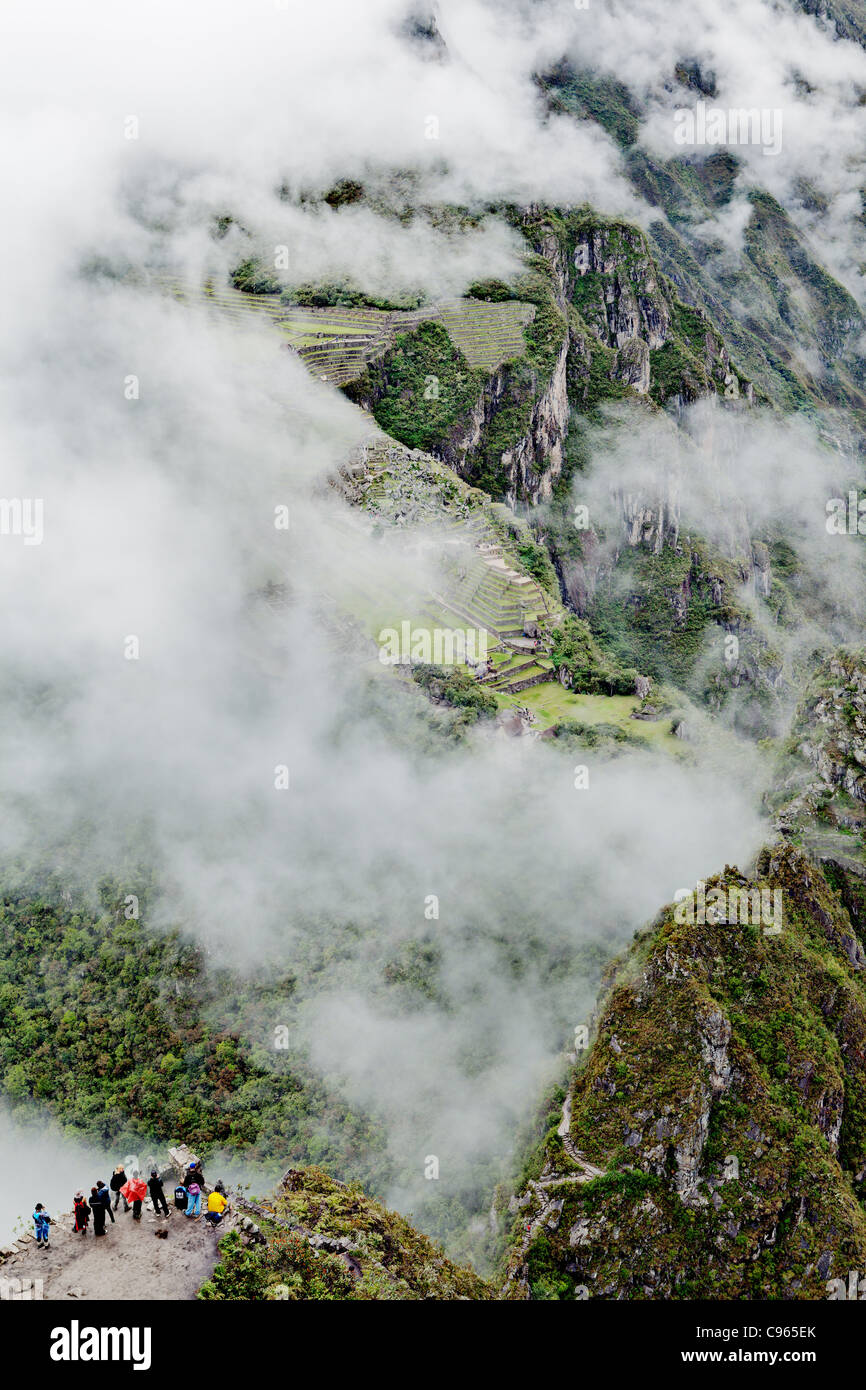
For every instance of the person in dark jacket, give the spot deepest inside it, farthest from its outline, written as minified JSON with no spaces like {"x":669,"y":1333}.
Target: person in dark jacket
{"x":98,"y":1209}
{"x":82,"y":1214}
{"x":157,"y":1194}
{"x":181,"y":1197}
{"x":103,"y":1198}
{"x":194,"y":1173}
{"x":117,"y":1181}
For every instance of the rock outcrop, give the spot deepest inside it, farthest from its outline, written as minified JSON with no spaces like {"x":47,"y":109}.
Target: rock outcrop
{"x":606,"y":325}
{"x":723,"y":1108}
{"x":325,"y":1239}
{"x":723,"y":1104}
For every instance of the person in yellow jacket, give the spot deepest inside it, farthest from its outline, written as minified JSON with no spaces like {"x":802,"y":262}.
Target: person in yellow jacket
{"x":216,"y":1205}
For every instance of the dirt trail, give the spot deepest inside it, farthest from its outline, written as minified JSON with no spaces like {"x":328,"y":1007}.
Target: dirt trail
{"x":128,"y":1262}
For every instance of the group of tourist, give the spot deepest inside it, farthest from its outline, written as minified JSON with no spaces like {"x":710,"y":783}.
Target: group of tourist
{"x":132,"y":1191}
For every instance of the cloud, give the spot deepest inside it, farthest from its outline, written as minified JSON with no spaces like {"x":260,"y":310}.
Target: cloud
{"x":43,"y":1164}
{"x":732,"y":477}
{"x":760,"y":56}
{"x":158,"y":516}
{"x":159,"y":526}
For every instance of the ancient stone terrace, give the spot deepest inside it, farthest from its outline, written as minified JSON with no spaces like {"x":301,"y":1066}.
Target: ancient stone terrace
{"x":483,"y":585}
{"x":337,"y":343}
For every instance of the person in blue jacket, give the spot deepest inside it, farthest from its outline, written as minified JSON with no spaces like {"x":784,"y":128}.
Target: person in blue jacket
{"x":104,"y":1196}
{"x":42,"y":1222}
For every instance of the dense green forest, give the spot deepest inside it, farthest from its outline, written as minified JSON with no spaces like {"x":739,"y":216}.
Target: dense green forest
{"x":111,"y":1033}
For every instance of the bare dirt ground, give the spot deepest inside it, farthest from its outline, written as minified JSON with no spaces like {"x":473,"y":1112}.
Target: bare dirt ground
{"x":128,"y":1262}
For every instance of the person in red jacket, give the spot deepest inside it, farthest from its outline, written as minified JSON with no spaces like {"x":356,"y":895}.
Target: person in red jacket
{"x":82,"y":1214}
{"x":135,"y":1191}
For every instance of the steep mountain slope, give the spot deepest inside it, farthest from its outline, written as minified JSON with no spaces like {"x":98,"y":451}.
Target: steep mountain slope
{"x":315,"y":383}
{"x":713,"y":1141}
{"x":321,"y":1239}
{"x":488,"y":383}
{"x":606,"y":326}
{"x":458,"y":421}
{"x":847,"y":16}
{"x":796,"y":332}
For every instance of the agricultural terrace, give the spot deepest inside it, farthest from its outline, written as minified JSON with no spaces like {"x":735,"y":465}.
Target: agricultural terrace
{"x":337,"y":343}
{"x":484,"y":584}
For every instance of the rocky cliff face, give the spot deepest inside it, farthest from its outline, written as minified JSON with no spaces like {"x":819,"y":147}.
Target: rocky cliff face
{"x":628,"y":302}
{"x":665,"y":601}
{"x":535,"y":462}
{"x":715,"y":1140}
{"x":662,"y":347}
{"x":632,"y":336}
{"x":800,"y":338}
{"x":820,"y":800}
{"x":517,"y":429}
{"x":530,"y":465}
{"x":607,"y":325}
{"x":831,"y":731}
{"x":627,"y":335}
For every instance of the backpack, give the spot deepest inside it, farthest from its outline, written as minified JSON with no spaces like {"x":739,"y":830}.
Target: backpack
{"x":180,"y":1196}
{"x":194,"y":1189}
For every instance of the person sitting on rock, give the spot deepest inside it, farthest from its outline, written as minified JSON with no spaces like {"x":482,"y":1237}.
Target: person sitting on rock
{"x":42,"y":1222}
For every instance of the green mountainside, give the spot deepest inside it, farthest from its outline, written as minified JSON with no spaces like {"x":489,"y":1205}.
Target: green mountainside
{"x":321,"y":1239}
{"x":712,"y":1141}
{"x":793,"y":311}
{"x":709,"y":1140}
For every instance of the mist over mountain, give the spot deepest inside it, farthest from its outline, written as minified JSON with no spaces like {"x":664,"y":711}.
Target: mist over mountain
{"x":321,"y":324}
